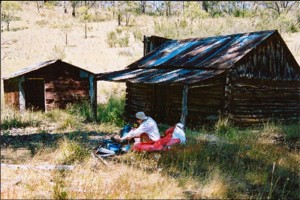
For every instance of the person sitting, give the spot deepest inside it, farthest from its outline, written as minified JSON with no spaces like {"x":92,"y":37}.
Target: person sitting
{"x":173,"y":135}
{"x":147,"y":129}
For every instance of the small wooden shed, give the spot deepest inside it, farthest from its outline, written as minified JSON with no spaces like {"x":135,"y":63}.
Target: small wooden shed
{"x":47,"y":85}
{"x":248,"y":77}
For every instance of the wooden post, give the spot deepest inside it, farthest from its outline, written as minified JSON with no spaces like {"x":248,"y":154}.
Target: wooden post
{"x":93,"y":95}
{"x":22,"y":94}
{"x":184,"y":110}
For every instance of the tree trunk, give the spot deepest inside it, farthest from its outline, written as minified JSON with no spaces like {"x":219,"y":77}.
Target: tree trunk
{"x":65,"y":7}
{"x":38,"y":6}
{"x":73,"y":12}
{"x":66,"y":38}
{"x":143,"y":6}
{"x":85,"y":29}
{"x":119,"y":19}
{"x":8,"y":26}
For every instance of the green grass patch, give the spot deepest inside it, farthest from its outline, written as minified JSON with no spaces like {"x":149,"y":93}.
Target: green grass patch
{"x":112,"y":111}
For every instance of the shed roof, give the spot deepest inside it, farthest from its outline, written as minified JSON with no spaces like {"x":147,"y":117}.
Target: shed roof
{"x":189,"y":60}
{"x":37,"y":66}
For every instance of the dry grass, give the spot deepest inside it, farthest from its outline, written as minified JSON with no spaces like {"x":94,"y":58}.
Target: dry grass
{"x":91,"y":180}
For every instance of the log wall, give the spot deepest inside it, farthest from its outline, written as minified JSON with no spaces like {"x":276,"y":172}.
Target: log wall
{"x":11,"y":92}
{"x":265,"y":85}
{"x":138,"y":98}
{"x":206,"y":101}
{"x":257,"y":101}
{"x":64,"y":84}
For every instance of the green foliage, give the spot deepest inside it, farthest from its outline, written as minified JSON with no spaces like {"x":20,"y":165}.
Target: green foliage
{"x":59,"y":188}
{"x":112,"y":111}
{"x":193,"y":11}
{"x":82,"y":109}
{"x":111,"y":39}
{"x":42,"y":22}
{"x":137,"y":34}
{"x":224,"y":127}
{"x":72,"y":152}
{"x":50,"y":4}
{"x":11,"y":118}
{"x":287,"y":24}
{"x":65,"y":120}
{"x":84,"y":15}
{"x":117,"y":40}
{"x":8,"y":11}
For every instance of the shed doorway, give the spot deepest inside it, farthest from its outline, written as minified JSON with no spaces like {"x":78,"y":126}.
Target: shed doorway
{"x":35,"y":94}
{"x":159,"y":103}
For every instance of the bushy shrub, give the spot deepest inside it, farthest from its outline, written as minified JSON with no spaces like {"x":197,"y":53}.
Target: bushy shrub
{"x":224,"y":127}
{"x":72,"y":151}
{"x":12,"y":118}
{"x":116,"y":40}
{"x":82,"y":109}
{"x":112,"y":111}
{"x":111,"y":39}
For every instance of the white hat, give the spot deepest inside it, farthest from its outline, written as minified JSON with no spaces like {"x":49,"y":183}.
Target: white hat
{"x":180,"y":125}
{"x":141,"y":115}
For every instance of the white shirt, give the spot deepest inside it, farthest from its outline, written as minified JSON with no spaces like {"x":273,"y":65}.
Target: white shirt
{"x":178,"y":133}
{"x":148,"y":126}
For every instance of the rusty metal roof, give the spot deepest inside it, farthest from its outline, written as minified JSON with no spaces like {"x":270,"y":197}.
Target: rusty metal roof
{"x":189,"y":60}
{"x":36,"y":67}
{"x":163,"y":76}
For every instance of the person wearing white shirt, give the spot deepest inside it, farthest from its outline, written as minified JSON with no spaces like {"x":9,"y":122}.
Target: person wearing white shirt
{"x":178,"y":133}
{"x":147,"y":126}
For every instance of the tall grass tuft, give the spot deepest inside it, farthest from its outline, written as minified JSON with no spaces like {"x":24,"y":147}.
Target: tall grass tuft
{"x":64,"y":120}
{"x":224,"y":127}
{"x":82,"y":109}
{"x":112,"y":111}
{"x":71,"y":151}
{"x":12,"y":118}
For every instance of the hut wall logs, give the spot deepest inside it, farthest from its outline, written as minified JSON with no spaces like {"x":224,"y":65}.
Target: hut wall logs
{"x":11,"y":90}
{"x":265,"y":85}
{"x":256,"y":101}
{"x":269,"y":61}
{"x":138,"y":98}
{"x":206,"y":101}
{"x":162,"y":102}
{"x":173,"y":104}
{"x":63,"y":86}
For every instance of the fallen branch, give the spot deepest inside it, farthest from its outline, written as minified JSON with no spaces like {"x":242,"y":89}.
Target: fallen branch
{"x":100,"y":158}
{"x":41,"y":167}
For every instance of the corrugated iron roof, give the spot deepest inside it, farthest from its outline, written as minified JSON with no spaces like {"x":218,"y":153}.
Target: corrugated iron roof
{"x":160,"y":76}
{"x":35,"y":67}
{"x":219,"y":52}
{"x":190,"y":60}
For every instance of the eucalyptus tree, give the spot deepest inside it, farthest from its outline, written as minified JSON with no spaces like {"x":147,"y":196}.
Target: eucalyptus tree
{"x":8,"y":11}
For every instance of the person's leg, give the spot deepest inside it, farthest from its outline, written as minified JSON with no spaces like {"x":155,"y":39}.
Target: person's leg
{"x":173,"y":141}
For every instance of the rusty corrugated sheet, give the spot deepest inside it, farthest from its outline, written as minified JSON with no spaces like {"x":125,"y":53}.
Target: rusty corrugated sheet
{"x":166,"y":76}
{"x":190,"y":60}
{"x":203,"y":53}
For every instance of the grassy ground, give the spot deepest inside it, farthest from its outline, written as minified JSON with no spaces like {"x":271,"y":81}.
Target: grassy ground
{"x":220,"y":161}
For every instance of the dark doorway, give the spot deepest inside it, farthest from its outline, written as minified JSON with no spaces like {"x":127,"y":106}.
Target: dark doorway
{"x":34,"y":94}
{"x":159,"y":103}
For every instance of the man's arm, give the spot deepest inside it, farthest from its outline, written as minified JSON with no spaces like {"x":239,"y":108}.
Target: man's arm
{"x":136,"y":132}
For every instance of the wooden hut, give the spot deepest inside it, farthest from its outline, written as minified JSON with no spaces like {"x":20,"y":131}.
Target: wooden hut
{"x":248,"y":77}
{"x":48,"y":85}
